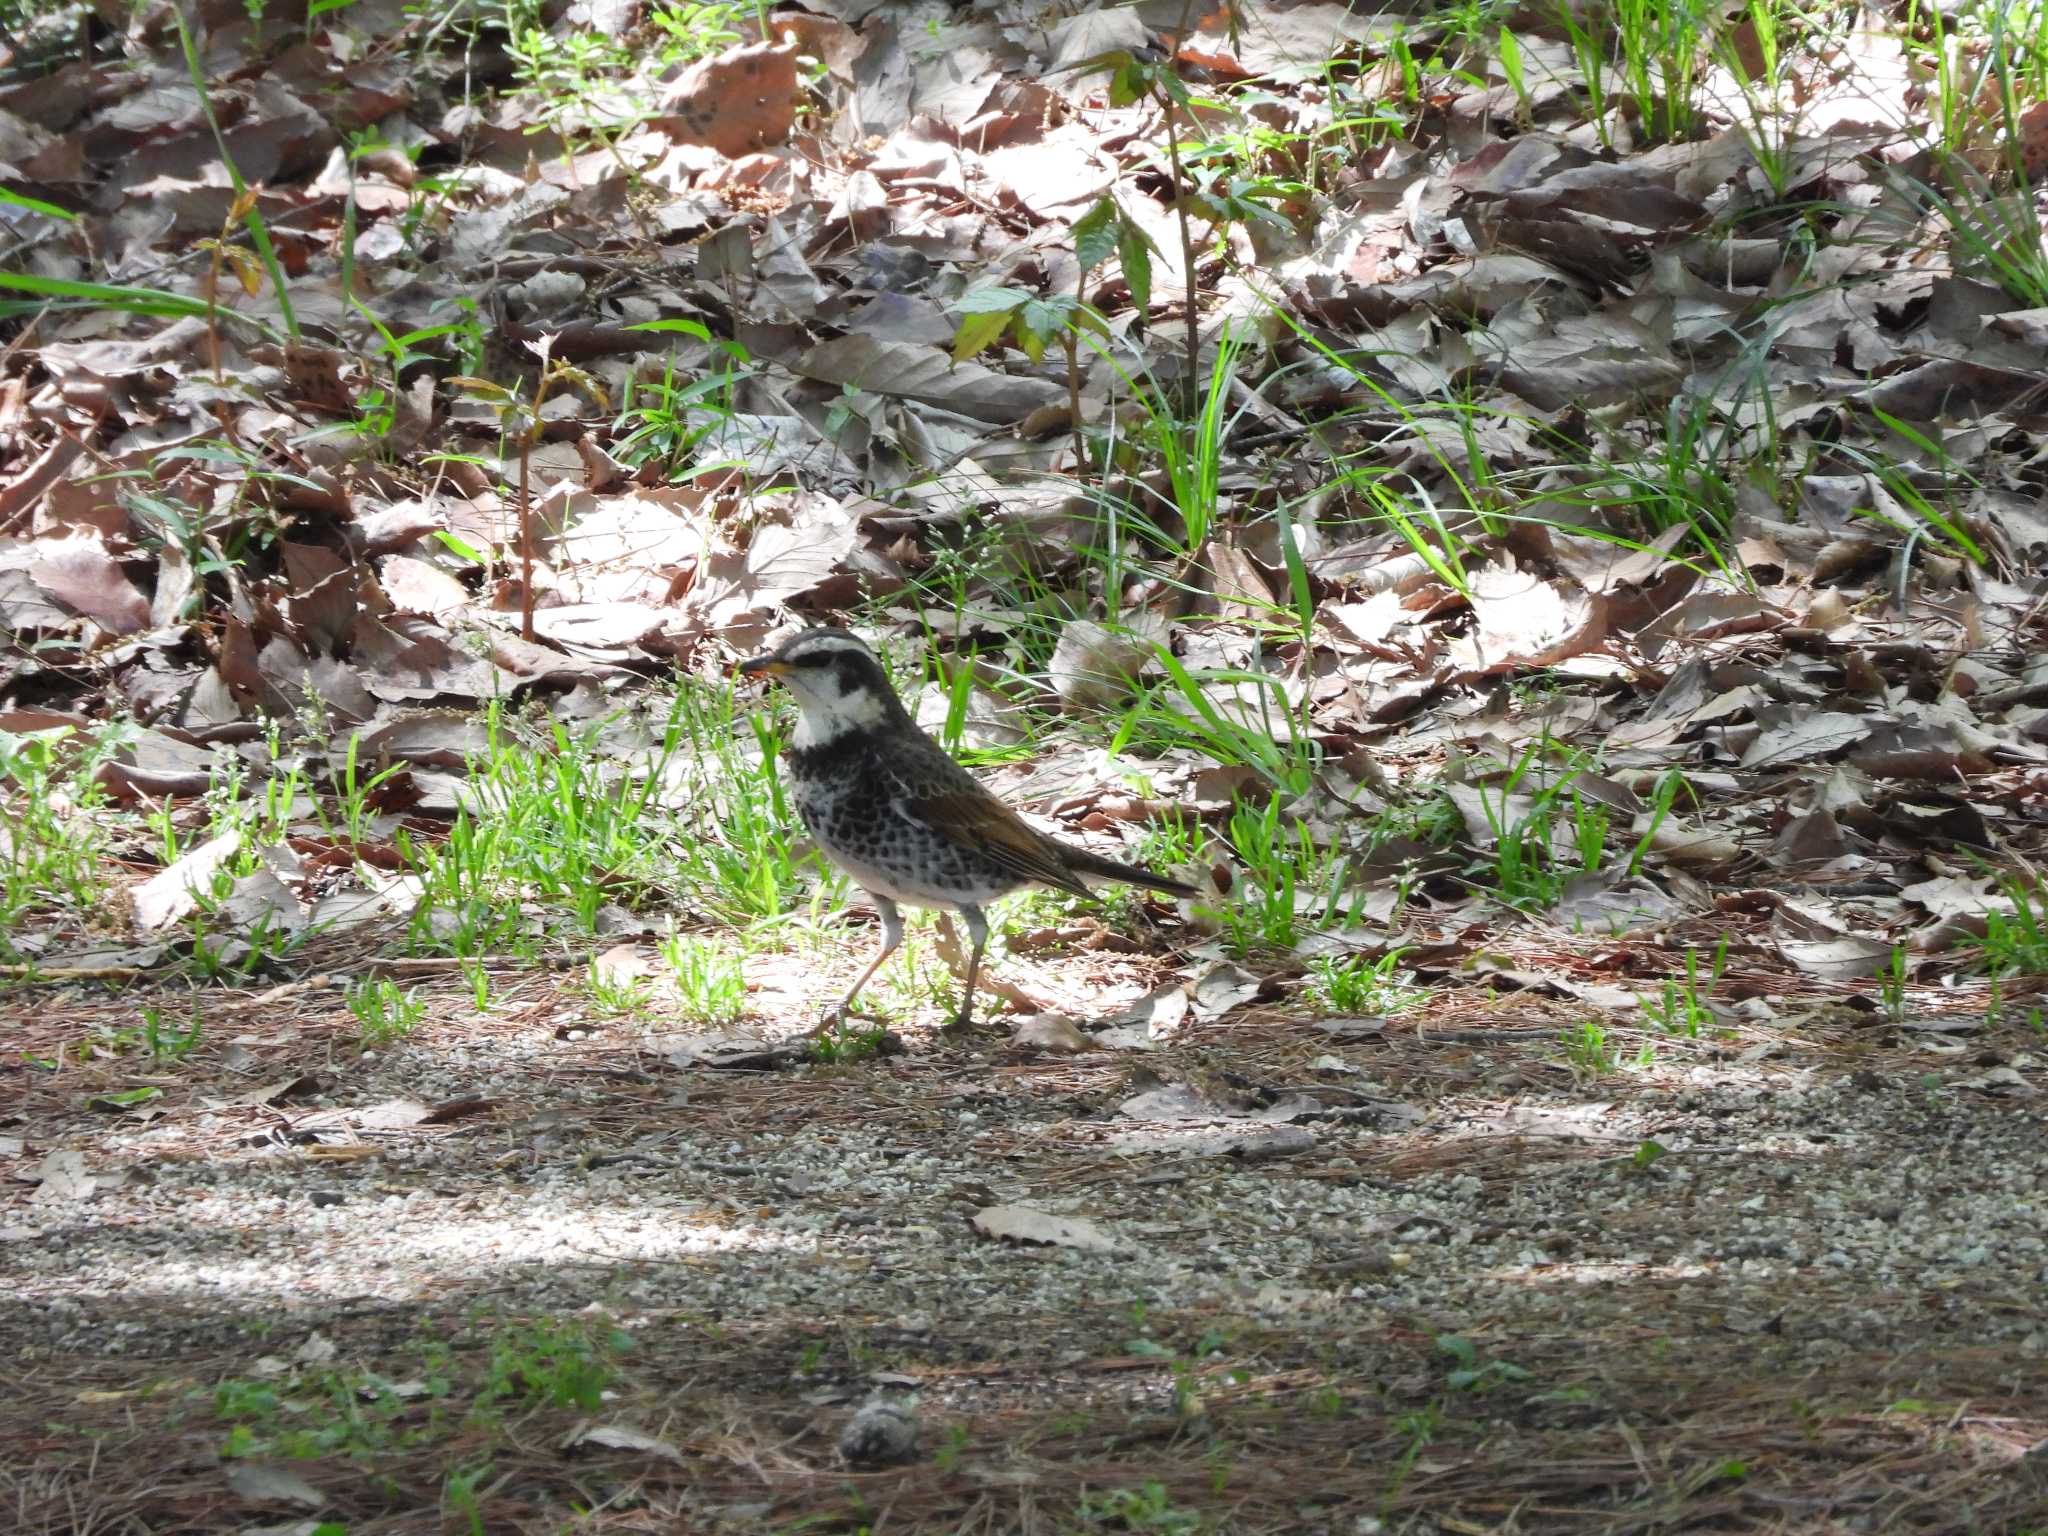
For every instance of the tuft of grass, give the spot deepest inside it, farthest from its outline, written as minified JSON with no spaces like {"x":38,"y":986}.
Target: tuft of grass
{"x":2016,"y":942}
{"x":558,"y":1362}
{"x":1357,"y":984}
{"x":1146,"y":1507}
{"x":557,"y":828}
{"x":1587,"y":1049}
{"x":710,"y":985}
{"x":1281,"y":860}
{"x":839,"y":1046}
{"x":1681,"y":1006}
{"x":616,"y":993}
{"x":52,"y":850}
{"x":385,"y":1010}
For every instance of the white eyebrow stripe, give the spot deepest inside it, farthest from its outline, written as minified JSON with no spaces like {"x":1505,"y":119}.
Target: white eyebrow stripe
{"x":824,"y":645}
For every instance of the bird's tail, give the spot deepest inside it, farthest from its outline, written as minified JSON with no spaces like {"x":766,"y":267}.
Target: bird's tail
{"x":1082,"y":862}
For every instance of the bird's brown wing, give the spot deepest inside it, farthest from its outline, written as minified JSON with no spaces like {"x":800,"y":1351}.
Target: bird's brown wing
{"x":939,"y":792}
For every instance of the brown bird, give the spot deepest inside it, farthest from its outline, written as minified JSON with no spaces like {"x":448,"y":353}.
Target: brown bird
{"x":906,"y":822}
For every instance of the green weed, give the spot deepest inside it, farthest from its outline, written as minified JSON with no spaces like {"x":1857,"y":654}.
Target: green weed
{"x":1356,"y":984}
{"x":386,"y":1011}
{"x":710,"y":986}
{"x":51,"y":840}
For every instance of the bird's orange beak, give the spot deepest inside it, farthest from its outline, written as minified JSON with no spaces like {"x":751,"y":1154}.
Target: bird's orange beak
{"x":762,"y":666}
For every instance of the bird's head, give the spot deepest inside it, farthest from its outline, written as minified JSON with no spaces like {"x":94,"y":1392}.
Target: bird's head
{"x":838,"y":683}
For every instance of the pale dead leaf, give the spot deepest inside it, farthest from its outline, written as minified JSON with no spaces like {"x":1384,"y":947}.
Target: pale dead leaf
{"x":1022,"y":1224}
{"x":621,"y":1437}
{"x":173,"y":893}
{"x":61,"y":1179}
{"x":262,"y":1482}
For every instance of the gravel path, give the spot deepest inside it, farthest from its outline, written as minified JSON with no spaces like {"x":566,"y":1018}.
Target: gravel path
{"x":1389,"y":1281}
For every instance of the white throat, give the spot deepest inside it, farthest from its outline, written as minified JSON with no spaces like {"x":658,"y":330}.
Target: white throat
{"x":824,"y":714}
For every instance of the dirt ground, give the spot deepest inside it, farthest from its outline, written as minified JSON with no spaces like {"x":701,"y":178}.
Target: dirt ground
{"x":533,"y":1271}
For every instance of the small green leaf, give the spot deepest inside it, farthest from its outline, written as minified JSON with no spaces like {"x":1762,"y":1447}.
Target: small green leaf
{"x":462,"y":547}
{"x":48,"y":210}
{"x":992,"y":300}
{"x":678,"y":325}
{"x":126,"y":1098}
{"x":978,"y":333}
{"x":1913,"y":1405}
{"x":1134,"y":252}
{"x":1128,"y":84}
{"x":1095,"y":235}
{"x":1043,"y":317}
{"x":1030,"y":341}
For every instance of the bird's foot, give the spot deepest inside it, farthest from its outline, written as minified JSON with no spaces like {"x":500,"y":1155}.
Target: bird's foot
{"x":834,"y":1019}
{"x":960,"y":1023}
{"x":843,"y":1019}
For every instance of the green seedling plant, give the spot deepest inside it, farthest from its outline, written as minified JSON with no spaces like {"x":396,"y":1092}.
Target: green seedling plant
{"x":1468,"y":1373}
{"x":376,"y":409}
{"x":1681,"y":1008}
{"x":165,"y":1043}
{"x":2016,"y":942}
{"x":691,"y":32}
{"x":1105,"y":230}
{"x":1587,"y":1049}
{"x":1663,"y":796}
{"x":551,"y":1362}
{"x":354,"y":792}
{"x":550,"y":821}
{"x":1891,"y":984}
{"x":1226,"y":187}
{"x":1131,"y":79}
{"x":51,"y":842}
{"x":243,"y":206}
{"x":1031,"y":322}
{"x":1420,"y":1426}
{"x":1526,"y":872}
{"x":1147,"y":1507}
{"x":710,"y":986}
{"x":1589,"y":831}
{"x":1180,"y":711}
{"x":1359,"y":984}
{"x":1185,"y":1366}
{"x":916,"y":978}
{"x":332,"y":1413}
{"x":1173,"y":844}
{"x":570,"y":80}
{"x":214,"y":545}
{"x":1508,"y":52}
{"x":460,"y":1493}
{"x":741,"y":863}
{"x":521,"y":425}
{"x":1279,"y":854}
{"x":665,"y":421}
{"x":1763,"y":124}
{"x":1524,"y":876}
{"x":842,"y":1045}
{"x":1643,"y":50}
{"x":616,"y":993}
{"x":385,"y":1011}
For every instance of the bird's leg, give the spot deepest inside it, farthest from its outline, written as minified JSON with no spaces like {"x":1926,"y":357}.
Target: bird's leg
{"x":892,"y":935}
{"x":977,"y":931}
